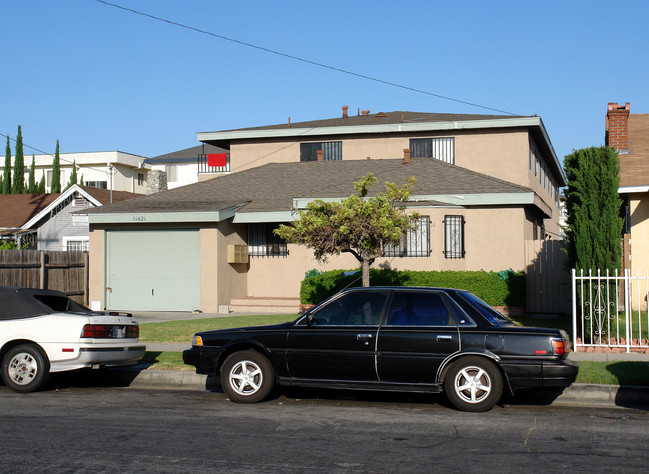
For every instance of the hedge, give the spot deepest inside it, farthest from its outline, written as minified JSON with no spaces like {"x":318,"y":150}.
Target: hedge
{"x":505,"y":288}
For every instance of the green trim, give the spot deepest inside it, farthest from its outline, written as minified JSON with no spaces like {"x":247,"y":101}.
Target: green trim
{"x":258,"y":217}
{"x":160,"y":217}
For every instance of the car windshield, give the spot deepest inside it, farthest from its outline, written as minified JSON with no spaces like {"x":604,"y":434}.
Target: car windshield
{"x":490,"y":314}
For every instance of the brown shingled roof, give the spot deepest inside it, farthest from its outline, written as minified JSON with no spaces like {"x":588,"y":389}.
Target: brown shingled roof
{"x":17,"y":209}
{"x":272,"y":187}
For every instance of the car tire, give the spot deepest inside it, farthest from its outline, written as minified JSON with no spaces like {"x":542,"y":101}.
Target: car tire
{"x":25,"y":368}
{"x":473,"y":384}
{"x":247,"y":377}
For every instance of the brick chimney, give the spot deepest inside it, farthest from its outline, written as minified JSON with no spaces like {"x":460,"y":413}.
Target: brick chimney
{"x":406,"y":156}
{"x":345,"y":109}
{"x":617,"y":126}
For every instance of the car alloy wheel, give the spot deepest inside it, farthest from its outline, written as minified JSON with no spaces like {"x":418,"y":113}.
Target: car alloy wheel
{"x":247,"y":377}
{"x":473,"y":384}
{"x":25,"y":368}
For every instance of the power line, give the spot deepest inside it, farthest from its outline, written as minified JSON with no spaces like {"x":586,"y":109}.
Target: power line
{"x":297,"y":58}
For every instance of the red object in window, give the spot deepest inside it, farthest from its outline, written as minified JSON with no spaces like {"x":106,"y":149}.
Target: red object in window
{"x":217,"y":159}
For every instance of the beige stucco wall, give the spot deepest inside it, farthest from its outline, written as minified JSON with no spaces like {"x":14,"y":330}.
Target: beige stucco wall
{"x":96,"y":270}
{"x":501,"y":154}
{"x":493,"y":241}
{"x":639,"y":233}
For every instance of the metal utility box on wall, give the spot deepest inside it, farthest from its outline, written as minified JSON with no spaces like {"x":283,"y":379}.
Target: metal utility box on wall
{"x":237,"y":253}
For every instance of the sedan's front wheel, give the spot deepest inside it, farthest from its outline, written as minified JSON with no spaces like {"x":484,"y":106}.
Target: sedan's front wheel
{"x":247,"y":377}
{"x":25,"y":368}
{"x":473,"y":384}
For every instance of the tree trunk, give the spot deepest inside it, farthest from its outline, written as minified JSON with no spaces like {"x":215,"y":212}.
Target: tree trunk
{"x":365,"y":267}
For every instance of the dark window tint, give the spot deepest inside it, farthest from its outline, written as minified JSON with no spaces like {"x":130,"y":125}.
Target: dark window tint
{"x":359,"y":308}
{"x":419,"y":309}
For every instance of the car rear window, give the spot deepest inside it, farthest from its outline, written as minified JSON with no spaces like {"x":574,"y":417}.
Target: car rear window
{"x":60,"y":303}
{"x":490,"y":314}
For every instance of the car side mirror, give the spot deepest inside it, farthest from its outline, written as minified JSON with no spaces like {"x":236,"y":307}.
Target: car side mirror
{"x":309,"y":319}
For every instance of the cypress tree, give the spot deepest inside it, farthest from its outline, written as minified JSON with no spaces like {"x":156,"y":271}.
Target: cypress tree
{"x":32,"y":188}
{"x":18,"y":185}
{"x":6,"y":181}
{"x":73,"y":175}
{"x":56,"y":172}
{"x":41,"y":186}
{"x":594,"y":223}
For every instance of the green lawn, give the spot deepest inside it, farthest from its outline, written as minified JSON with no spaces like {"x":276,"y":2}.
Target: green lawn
{"x":183,"y":331}
{"x":616,"y":373}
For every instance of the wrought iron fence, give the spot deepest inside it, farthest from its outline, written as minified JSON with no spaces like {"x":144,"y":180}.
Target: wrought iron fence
{"x":610,"y":310}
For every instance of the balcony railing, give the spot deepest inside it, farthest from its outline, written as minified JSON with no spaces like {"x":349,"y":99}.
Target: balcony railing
{"x":204,"y":164}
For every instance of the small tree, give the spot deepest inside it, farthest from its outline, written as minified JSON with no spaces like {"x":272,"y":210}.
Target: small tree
{"x":56,"y":172}
{"x":73,"y":175}
{"x":18,"y":185}
{"x":32,"y":187}
{"x":359,"y":224}
{"x":594,"y":224}
{"x":41,"y":185}
{"x":6,"y":180}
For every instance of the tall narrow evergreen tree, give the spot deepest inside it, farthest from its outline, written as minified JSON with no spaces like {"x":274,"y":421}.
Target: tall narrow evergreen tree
{"x":18,"y":185}
{"x":32,"y":187}
{"x":6,"y":180}
{"x":56,"y":172}
{"x":73,"y":175}
{"x":41,"y":185}
{"x":594,"y":223}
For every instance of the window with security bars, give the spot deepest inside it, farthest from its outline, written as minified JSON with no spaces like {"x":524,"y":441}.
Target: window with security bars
{"x":76,"y":245}
{"x":331,"y":151}
{"x":442,"y":149}
{"x":414,"y":243}
{"x":454,"y":237}
{"x":262,"y":242}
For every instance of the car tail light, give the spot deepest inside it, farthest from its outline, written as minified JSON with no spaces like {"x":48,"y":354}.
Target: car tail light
{"x":559,"y":347}
{"x":101,"y":331}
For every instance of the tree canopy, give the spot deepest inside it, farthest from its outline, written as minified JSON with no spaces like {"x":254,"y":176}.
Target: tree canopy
{"x":594,"y":225}
{"x":358,"y":224}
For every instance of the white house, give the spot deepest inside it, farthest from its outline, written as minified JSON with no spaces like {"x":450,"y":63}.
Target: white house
{"x":112,"y":170}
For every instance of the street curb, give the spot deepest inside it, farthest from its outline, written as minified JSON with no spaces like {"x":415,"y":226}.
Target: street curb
{"x":625,"y":396}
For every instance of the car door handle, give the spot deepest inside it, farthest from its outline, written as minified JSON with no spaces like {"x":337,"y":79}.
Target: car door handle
{"x":365,"y":338}
{"x":444,"y":338}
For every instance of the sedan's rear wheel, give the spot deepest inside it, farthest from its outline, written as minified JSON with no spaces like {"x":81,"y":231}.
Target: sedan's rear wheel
{"x":473,"y":384}
{"x":25,"y":368}
{"x":247,"y":377}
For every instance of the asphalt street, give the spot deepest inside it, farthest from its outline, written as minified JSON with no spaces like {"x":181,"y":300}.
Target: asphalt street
{"x":77,"y":429}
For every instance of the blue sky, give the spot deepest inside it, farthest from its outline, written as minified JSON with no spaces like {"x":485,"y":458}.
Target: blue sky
{"x":99,"y":78}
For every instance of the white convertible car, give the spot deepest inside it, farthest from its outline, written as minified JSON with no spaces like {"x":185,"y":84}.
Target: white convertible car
{"x":44,"y":331}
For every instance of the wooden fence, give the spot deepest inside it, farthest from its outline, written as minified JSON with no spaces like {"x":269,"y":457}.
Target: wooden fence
{"x":54,"y":270}
{"x":548,"y":278}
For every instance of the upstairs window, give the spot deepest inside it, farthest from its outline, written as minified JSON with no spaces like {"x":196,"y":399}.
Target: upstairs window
{"x":331,"y":151}
{"x":414,"y":243}
{"x":442,"y":149}
{"x":97,"y":184}
{"x":171,"y":171}
{"x":262,"y":242}
{"x":454,"y":237}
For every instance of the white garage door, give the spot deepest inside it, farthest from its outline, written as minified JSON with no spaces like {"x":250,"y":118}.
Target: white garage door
{"x":153,"y":270}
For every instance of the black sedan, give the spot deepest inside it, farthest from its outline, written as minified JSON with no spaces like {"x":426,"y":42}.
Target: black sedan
{"x":398,"y":339}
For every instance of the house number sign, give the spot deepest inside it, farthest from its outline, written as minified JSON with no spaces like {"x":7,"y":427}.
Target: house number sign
{"x":139,"y":218}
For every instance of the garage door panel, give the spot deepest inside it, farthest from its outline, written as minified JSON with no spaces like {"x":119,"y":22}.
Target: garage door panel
{"x":153,"y":270}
